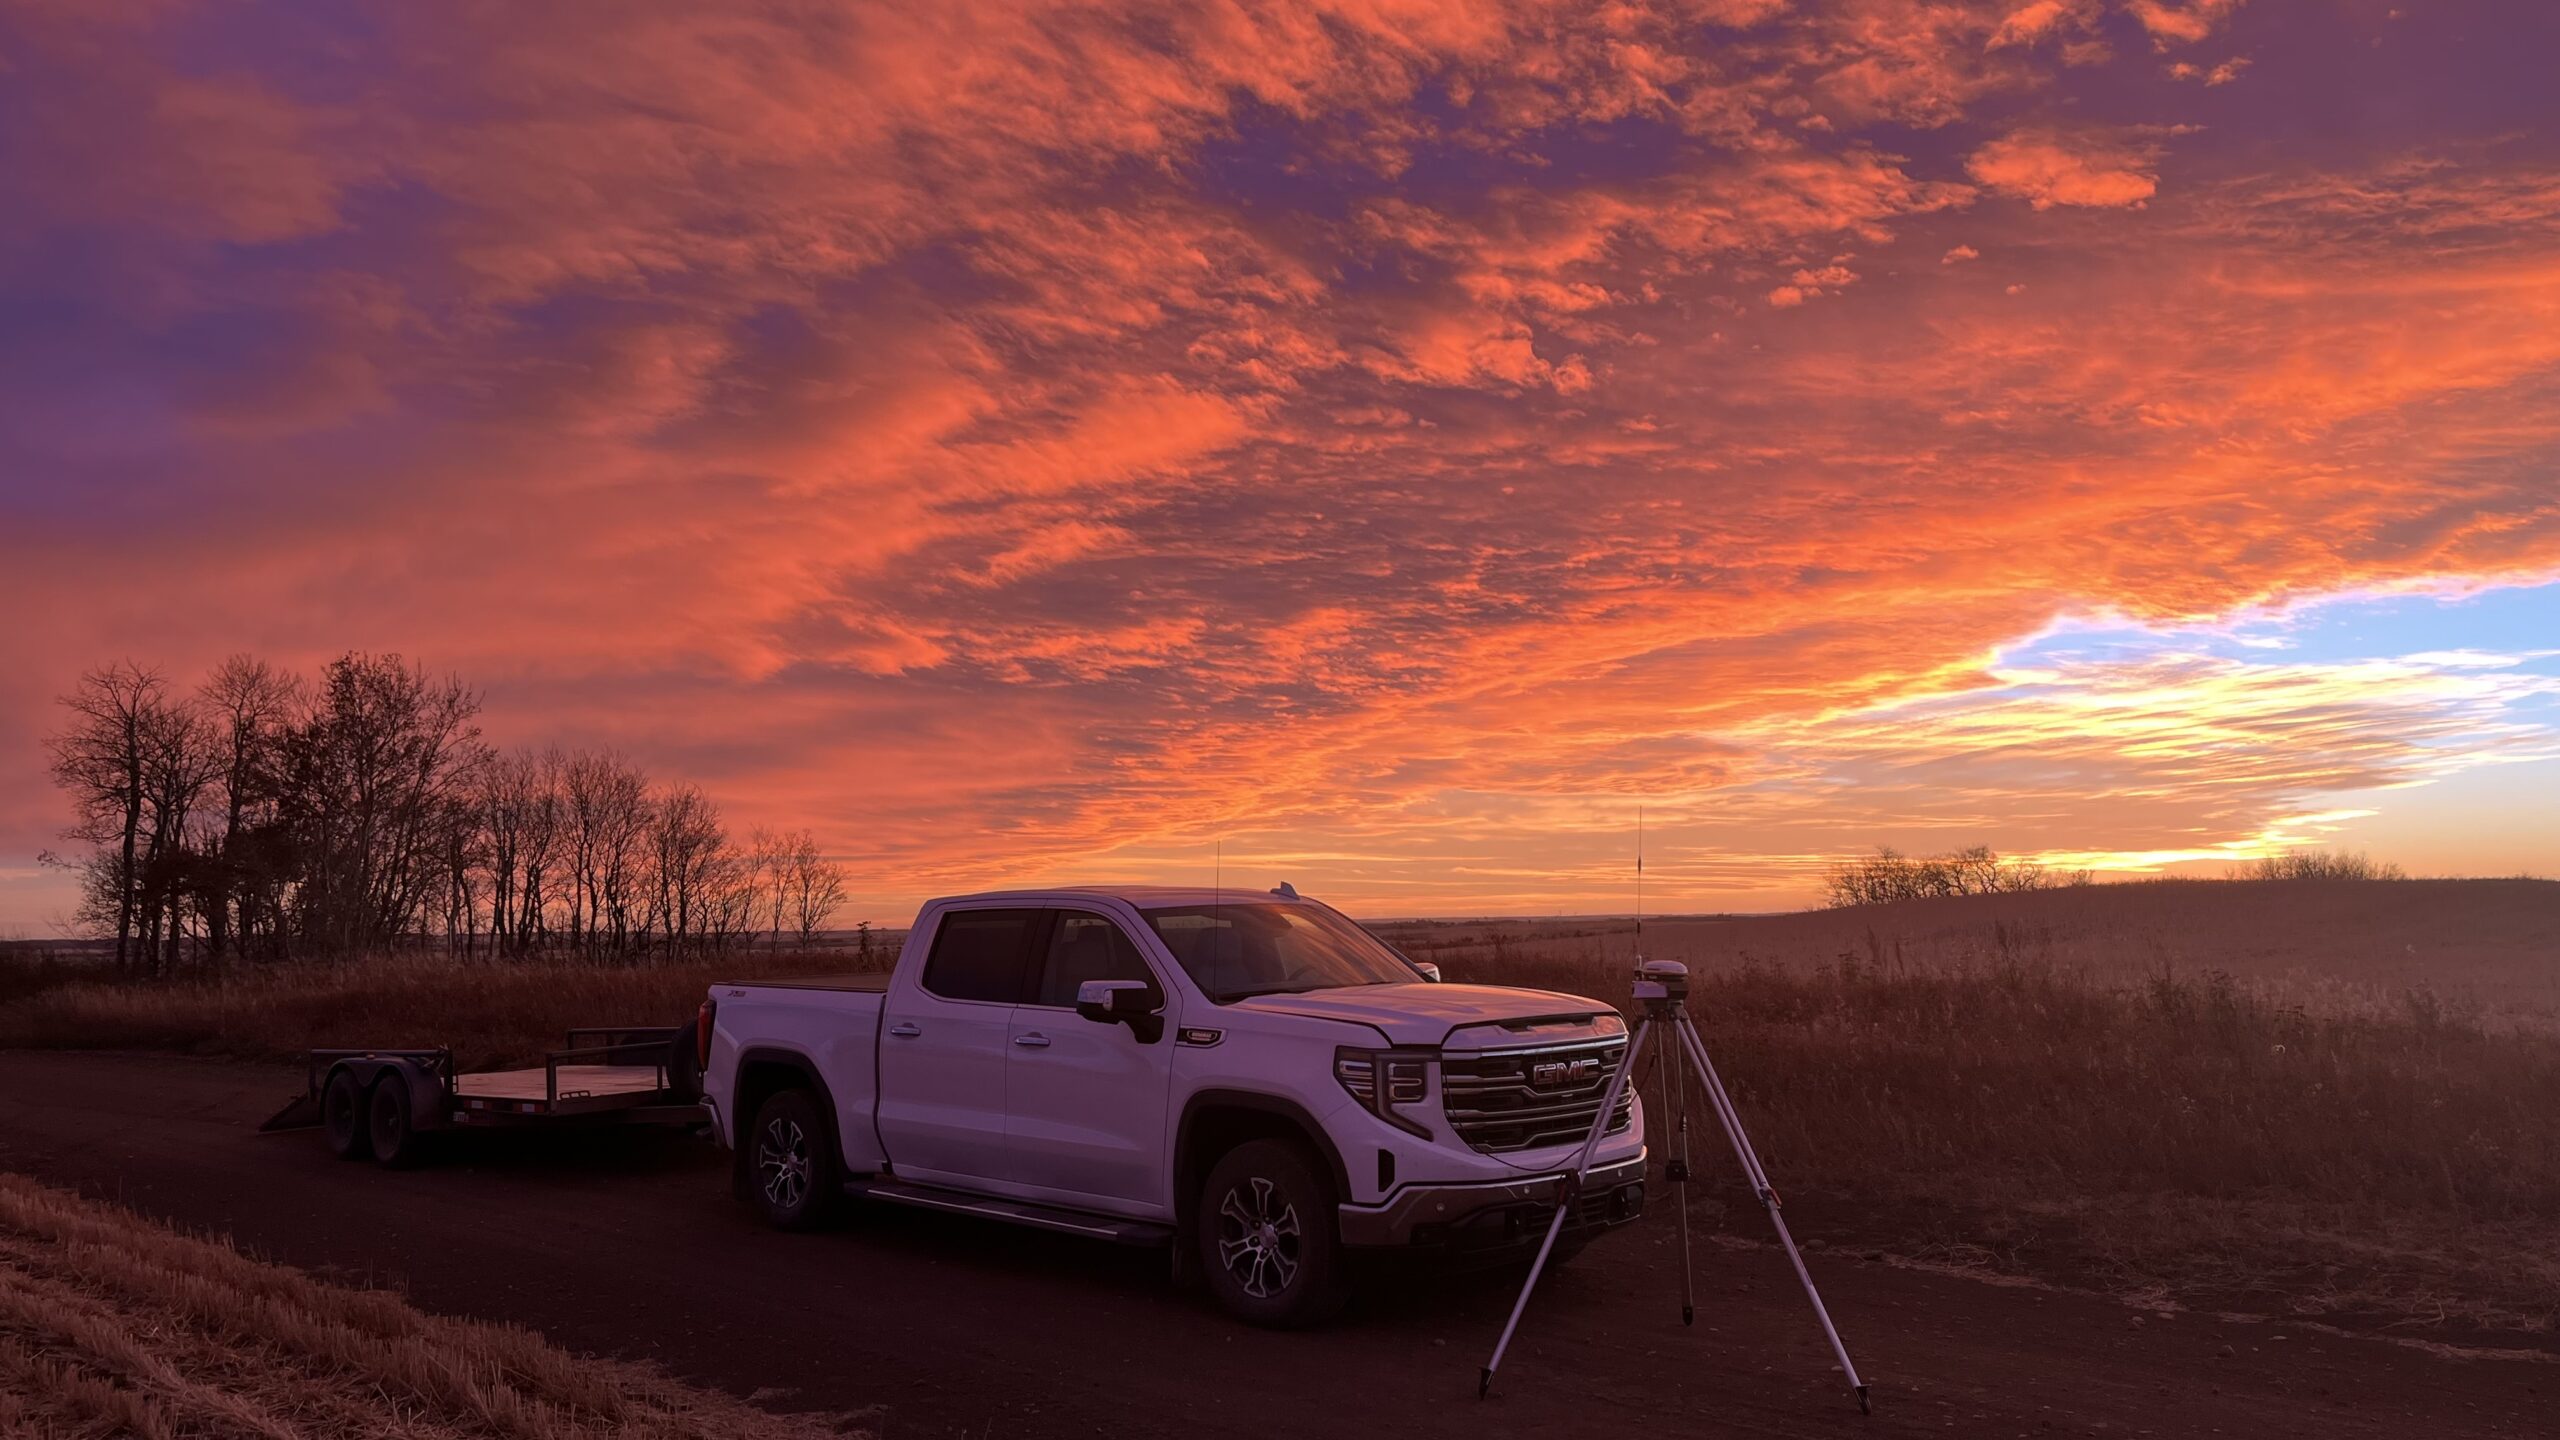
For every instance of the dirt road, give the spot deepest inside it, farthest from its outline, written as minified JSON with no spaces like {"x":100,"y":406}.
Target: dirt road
{"x":632,"y":1247}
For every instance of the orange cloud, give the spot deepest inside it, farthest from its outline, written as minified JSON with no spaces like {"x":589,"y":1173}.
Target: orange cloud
{"x":2184,"y":23}
{"x":1042,"y":441}
{"x":2047,"y":168}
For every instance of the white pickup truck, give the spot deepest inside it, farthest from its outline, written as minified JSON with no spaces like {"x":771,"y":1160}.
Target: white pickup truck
{"x":1251,"y":1077}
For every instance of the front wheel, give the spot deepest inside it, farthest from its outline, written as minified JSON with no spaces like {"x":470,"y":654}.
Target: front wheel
{"x":1268,"y":1245}
{"x":791,"y":1162}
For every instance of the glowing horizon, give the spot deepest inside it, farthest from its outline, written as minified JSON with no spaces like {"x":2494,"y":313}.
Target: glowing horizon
{"x":1389,"y":442}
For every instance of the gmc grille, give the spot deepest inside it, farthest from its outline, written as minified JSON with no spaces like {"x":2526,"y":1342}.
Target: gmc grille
{"x":1496,"y":1102}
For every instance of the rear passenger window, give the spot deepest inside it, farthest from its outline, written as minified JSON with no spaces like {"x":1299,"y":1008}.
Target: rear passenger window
{"x":979,"y":955}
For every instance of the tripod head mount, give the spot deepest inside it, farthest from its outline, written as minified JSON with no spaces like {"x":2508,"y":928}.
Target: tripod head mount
{"x":1662,"y":986}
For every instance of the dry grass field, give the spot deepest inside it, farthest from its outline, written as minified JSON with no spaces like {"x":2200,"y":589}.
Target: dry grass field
{"x":2325,"y":1098}
{"x":2484,"y":950}
{"x":2321,"y":1098}
{"x":113,"y":1326}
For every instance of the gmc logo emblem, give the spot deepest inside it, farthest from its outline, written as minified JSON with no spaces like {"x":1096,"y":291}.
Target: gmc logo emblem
{"x":1556,"y":1074}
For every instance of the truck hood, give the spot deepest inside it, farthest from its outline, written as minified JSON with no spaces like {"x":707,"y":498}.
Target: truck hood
{"x":1424,"y":1013}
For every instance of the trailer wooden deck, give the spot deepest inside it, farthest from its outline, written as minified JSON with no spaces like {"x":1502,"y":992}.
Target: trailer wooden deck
{"x":577,"y":1082}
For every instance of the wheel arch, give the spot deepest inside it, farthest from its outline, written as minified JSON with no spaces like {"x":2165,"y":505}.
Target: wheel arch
{"x":762,"y":1071}
{"x":1216,"y":1121}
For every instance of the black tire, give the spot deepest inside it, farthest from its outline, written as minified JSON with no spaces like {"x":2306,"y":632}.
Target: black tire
{"x":390,"y":1124}
{"x":342,"y":1116}
{"x":1266,"y":1236}
{"x":684,"y":1075}
{"x":790,"y":1154}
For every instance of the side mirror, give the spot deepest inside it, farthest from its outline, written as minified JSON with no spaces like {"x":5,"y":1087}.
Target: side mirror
{"x":1429,"y":971}
{"x":1122,"y":1002}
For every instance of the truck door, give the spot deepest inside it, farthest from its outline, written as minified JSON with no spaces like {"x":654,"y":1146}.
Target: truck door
{"x":1087,"y":1099}
{"x":946,"y":1033}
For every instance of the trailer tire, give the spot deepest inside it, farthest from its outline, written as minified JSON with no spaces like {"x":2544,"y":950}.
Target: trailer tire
{"x":390,"y":1124}
{"x":684,"y":1072}
{"x":342,"y":1116}
{"x":792,"y":1174}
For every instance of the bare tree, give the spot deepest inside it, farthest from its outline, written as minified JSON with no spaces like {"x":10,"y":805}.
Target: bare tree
{"x":100,"y":758}
{"x":768,"y":883}
{"x":363,"y":812}
{"x":687,"y":847}
{"x":1889,"y":875}
{"x":379,"y":773}
{"x":180,"y":763}
{"x":2321,"y":865}
{"x":605,"y":804}
{"x":252,"y":707}
{"x":813,"y":886}
{"x":518,"y":803}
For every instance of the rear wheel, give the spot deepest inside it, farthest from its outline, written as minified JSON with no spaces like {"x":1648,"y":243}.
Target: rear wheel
{"x":391,"y":1125}
{"x":342,"y":1116}
{"x":1267,"y":1241}
{"x":791,"y":1163}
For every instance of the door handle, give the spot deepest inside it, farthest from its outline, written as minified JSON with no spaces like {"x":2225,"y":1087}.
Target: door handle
{"x":905,"y":1030}
{"x":1035,"y":1039}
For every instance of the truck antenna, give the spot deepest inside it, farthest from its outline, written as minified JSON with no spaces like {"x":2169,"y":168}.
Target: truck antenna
{"x":1639,"y":884}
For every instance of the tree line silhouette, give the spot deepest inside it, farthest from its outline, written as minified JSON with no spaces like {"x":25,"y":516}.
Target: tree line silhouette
{"x":264,"y":816}
{"x":1890,"y":875}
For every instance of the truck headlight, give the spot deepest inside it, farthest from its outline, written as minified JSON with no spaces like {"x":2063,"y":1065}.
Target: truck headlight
{"x":1382,"y":1080}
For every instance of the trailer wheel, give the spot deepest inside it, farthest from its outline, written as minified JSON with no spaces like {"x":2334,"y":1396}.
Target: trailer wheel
{"x":342,"y":1116}
{"x":791,"y":1162}
{"x":684,"y":1076}
{"x":391,"y":1126}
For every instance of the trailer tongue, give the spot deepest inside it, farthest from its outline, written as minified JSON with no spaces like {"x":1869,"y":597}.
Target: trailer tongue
{"x":374,"y":1103}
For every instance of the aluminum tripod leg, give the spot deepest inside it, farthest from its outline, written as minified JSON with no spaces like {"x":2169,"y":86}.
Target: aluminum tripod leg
{"x":1567,"y":1187}
{"x":1758,"y":1179}
{"x":1675,"y":1169}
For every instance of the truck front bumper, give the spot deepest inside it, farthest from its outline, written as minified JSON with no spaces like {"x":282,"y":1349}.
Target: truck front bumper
{"x":1494,"y":1213}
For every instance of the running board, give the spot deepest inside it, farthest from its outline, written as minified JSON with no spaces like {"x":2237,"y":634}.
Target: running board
{"x":1015,"y":1212}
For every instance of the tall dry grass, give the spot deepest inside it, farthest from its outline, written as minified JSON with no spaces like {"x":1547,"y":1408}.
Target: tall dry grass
{"x":2180,"y":1133}
{"x":111,"y":1325}
{"x":490,"y":1012}
{"x":2489,"y":950}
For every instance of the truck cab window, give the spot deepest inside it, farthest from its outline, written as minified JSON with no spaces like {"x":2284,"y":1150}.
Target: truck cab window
{"x":1089,"y":947}
{"x":1248,"y":948}
{"x":979,"y":955}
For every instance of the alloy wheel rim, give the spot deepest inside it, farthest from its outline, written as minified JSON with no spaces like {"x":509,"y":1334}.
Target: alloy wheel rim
{"x":782,"y":1160}
{"x":1258,"y":1238}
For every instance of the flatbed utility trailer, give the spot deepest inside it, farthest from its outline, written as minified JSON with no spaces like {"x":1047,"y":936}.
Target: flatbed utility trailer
{"x":375,"y":1103}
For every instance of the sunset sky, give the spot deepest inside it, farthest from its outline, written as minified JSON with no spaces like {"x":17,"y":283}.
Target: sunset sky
{"x":1386,"y":441}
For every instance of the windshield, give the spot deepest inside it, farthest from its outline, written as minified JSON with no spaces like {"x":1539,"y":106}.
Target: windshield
{"x":1260,"y":948}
